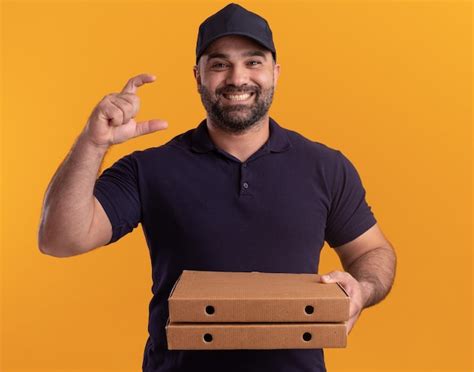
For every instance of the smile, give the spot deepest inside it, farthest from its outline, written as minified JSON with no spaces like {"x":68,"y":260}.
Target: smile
{"x":238,"y":97}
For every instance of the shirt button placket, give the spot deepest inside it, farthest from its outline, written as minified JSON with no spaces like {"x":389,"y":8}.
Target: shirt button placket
{"x":244,"y":179}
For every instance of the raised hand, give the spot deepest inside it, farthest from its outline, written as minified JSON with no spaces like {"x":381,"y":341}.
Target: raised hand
{"x":112,"y":120}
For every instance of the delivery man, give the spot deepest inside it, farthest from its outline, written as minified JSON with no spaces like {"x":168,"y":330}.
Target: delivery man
{"x":238,"y":192}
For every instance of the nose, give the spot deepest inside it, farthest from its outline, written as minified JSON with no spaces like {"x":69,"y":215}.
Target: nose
{"x":238,"y":75}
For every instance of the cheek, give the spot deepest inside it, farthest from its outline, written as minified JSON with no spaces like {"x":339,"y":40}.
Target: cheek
{"x":212,"y":81}
{"x":265,"y":80}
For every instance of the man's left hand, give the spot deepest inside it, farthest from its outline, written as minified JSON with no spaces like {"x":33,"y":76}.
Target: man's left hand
{"x":359,"y":293}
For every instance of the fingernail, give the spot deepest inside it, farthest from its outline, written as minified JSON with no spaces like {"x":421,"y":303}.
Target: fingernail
{"x":325,"y":277}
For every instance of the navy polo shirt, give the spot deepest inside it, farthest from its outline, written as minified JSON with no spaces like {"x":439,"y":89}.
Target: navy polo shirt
{"x":203,"y":209}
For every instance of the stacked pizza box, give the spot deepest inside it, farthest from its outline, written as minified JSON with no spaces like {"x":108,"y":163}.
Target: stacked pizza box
{"x":210,"y":310}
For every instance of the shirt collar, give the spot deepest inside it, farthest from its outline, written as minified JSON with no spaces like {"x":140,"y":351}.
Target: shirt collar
{"x":277,"y":142}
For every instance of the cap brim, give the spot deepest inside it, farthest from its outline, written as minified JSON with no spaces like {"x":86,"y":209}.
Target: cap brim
{"x":250,"y":36}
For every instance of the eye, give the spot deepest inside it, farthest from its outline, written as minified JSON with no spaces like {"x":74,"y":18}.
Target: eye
{"x":218,"y":65}
{"x":254,"y":63}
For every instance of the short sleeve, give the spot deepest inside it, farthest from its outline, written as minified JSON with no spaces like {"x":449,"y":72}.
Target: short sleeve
{"x":117,"y":191}
{"x":349,"y":215}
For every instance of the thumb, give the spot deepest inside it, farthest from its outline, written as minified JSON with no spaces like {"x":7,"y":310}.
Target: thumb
{"x":327,"y":278}
{"x":150,"y":126}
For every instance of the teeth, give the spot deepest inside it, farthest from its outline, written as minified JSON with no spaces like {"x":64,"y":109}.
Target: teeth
{"x":237,"y":97}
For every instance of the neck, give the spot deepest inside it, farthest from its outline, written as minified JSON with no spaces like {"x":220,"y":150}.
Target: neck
{"x":241,"y":145}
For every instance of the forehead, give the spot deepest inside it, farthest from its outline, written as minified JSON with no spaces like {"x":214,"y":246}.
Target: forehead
{"x":234,"y":44}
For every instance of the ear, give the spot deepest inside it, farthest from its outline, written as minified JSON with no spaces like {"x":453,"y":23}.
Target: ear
{"x":197,"y":75}
{"x":276,"y":73}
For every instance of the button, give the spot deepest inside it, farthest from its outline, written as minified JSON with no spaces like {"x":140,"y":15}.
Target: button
{"x":245,"y":185}
{"x":244,"y":165}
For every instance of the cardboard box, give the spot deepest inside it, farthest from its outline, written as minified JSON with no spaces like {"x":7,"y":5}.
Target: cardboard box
{"x":222,"y":336}
{"x":247,"y":297}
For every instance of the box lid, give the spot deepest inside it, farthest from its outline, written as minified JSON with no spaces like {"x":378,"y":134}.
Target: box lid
{"x":252,"y":285}
{"x":256,"y":297}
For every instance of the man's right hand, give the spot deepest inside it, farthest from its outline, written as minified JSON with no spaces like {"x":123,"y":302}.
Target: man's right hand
{"x":112,"y":120}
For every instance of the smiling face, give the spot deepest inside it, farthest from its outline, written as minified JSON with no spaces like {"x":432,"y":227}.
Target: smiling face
{"x":236,"y":79}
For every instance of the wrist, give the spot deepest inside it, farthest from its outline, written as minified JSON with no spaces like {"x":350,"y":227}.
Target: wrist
{"x":85,"y":142}
{"x":367,"y":290}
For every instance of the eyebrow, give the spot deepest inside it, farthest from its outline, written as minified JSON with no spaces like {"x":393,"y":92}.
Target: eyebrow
{"x":252,"y":53}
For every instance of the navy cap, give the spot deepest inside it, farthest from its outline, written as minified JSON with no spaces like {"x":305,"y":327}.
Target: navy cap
{"x":234,"y":20}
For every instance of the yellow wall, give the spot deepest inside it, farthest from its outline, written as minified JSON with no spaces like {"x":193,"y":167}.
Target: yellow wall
{"x":387,"y":82}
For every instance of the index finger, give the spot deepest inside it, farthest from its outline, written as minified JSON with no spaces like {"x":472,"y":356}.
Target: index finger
{"x":137,"y":81}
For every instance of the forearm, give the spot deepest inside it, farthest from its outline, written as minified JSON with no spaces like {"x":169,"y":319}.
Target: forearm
{"x":375,"y":271}
{"x":68,"y":205}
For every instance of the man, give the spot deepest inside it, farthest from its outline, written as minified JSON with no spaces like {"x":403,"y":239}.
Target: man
{"x":237,"y":193}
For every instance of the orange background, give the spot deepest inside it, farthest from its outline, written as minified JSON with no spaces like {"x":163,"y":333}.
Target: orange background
{"x":388,"y":83}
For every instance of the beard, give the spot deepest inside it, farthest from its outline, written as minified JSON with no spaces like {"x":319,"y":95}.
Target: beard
{"x":239,"y":117}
